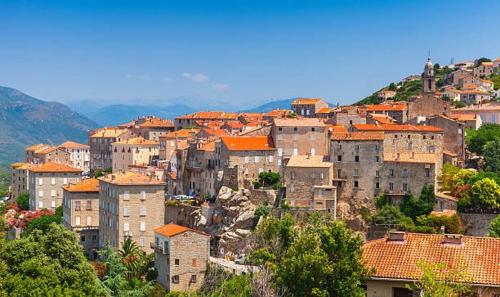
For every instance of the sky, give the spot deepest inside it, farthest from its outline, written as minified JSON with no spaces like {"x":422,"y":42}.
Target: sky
{"x":237,"y":53}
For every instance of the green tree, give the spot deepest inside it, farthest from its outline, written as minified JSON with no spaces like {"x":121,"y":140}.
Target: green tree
{"x":481,"y":60}
{"x":269,"y":178}
{"x":392,"y":216}
{"x":476,"y":139}
{"x":47,"y":264}
{"x":23,"y":201}
{"x":414,"y":207}
{"x":491,"y":153}
{"x":495,"y":227}
{"x":485,"y":194}
{"x":446,"y":177}
{"x":42,"y":223}
{"x":234,"y":286}
{"x":436,"y":281}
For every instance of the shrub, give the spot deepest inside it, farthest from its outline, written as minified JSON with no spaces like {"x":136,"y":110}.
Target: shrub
{"x":381,"y":200}
{"x":23,"y":201}
{"x":451,"y":224}
{"x":257,"y":184}
{"x":495,"y":227}
{"x":269,"y":178}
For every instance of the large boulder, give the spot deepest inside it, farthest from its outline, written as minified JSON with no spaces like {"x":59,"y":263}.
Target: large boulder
{"x":245,"y":220}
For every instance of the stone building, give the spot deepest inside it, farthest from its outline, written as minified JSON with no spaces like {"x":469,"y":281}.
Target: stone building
{"x":488,"y":112}
{"x":299,"y":137}
{"x":100,"y":142}
{"x":453,"y":136}
{"x":397,"y":111}
{"x":52,"y":154}
{"x":181,"y":257}
{"x":46,"y":182}
{"x":19,"y":181}
{"x":151,"y":127}
{"x":347,"y":116}
{"x":308,"y":181}
{"x":483,"y":70}
{"x":248,"y":155}
{"x":31,"y":153}
{"x":189,"y":120}
{"x":133,"y":151}
{"x":131,"y":205}
{"x":81,"y":213}
{"x":395,"y":262}
{"x":172,"y":140}
{"x":79,"y":155}
{"x":308,"y":107}
{"x":201,"y":174}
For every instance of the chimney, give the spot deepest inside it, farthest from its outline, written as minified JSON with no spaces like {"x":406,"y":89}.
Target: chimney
{"x":396,"y":236}
{"x":455,"y":239}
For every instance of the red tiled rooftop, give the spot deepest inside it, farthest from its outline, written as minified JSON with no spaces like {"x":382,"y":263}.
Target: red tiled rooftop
{"x":54,"y":167}
{"x":247,"y":143}
{"x":386,"y":107}
{"x":396,"y":127}
{"x":85,"y":185}
{"x":306,"y":101}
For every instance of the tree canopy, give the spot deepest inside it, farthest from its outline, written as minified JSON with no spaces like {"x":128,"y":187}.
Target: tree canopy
{"x":476,"y":139}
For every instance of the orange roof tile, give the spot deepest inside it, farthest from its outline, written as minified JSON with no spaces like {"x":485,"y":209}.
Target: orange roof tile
{"x":182,"y":133}
{"x":215,"y":132}
{"x":337,"y":128}
{"x":170,"y":230}
{"x":306,"y":101}
{"x":130,"y":178}
{"x":247,"y":143}
{"x":233,"y":125}
{"x":37,"y":147}
{"x":357,"y":136}
{"x":210,"y":115}
{"x":156,"y":123}
{"x":325,"y":110}
{"x":278,"y":113}
{"x":85,"y":185}
{"x":396,"y":127}
{"x":386,"y":107}
{"x":53,"y":167}
{"x":477,"y":257}
{"x":72,"y":144}
{"x":136,"y":141}
{"x":208,"y":147}
{"x":462,"y":117}
{"x":20,"y":166}
{"x":107,"y":132}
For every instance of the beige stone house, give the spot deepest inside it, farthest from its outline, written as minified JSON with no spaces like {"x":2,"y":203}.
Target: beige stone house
{"x":189,"y":120}
{"x":172,"y":140}
{"x":201,"y":173}
{"x":395,"y":261}
{"x":131,"y":205}
{"x":483,"y":70}
{"x":100,"y":141}
{"x":309,"y":183}
{"x":397,"y":111}
{"x":31,"y":152}
{"x":453,"y":134}
{"x":52,"y":154}
{"x":81,"y":213}
{"x":46,"y":182}
{"x":133,"y":151}
{"x":299,"y":137}
{"x":181,"y":257}
{"x":19,"y":181}
{"x":79,"y":155}
{"x":307,"y":107}
{"x":248,"y":155}
{"x":152,"y":127}
{"x":488,"y":112}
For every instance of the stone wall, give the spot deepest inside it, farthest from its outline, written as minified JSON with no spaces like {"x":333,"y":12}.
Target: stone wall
{"x":476,"y":224}
{"x":182,"y":214}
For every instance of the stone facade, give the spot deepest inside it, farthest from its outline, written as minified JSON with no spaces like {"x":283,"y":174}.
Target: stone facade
{"x":453,"y":137}
{"x":427,"y":105}
{"x":46,"y":182}
{"x":181,"y":257}
{"x":131,"y":205}
{"x":133,"y":151}
{"x":100,"y":142}
{"x":79,"y":155}
{"x":81,"y":213}
{"x":19,"y":181}
{"x":308,"y":107}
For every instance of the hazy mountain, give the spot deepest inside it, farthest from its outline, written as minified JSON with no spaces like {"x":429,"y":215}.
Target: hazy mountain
{"x":278,"y":104}
{"x":25,"y":120}
{"x":115,"y":114}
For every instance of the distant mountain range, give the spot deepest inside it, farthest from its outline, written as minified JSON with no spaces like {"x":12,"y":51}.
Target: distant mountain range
{"x":277,"y":104}
{"x":25,"y":120}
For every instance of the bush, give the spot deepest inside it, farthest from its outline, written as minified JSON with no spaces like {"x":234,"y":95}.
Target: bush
{"x":486,"y":194}
{"x":42,"y":223}
{"x":269,"y":178}
{"x":391,"y":215}
{"x":495,"y":227}
{"x":451,"y":224}
{"x":414,"y":207}
{"x":23,"y":201}
{"x":381,"y":201}
{"x":476,"y":139}
{"x":257,"y":184}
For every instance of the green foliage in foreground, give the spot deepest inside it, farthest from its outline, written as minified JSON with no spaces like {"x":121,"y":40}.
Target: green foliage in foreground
{"x":437,"y":281}
{"x":495,"y":227}
{"x":47,"y":264}
{"x":23,"y":201}
{"x":476,"y":139}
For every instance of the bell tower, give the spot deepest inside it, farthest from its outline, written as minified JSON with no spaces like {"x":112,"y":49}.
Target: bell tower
{"x":428,"y":78}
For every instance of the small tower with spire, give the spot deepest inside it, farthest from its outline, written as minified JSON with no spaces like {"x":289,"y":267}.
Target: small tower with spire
{"x":428,"y":78}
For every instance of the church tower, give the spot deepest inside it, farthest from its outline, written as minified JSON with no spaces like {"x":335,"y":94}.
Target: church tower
{"x":428,"y":78}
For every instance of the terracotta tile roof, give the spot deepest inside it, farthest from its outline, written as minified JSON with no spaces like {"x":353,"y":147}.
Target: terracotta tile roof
{"x":73,"y":145}
{"x":357,"y":136}
{"x":307,"y":101}
{"x":47,"y":150}
{"x":462,"y":117}
{"x":107,"y":133}
{"x":20,"y":166}
{"x":37,"y":147}
{"x":130,"y":178}
{"x":410,"y":158}
{"x":233,"y":125}
{"x":85,"y":185}
{"x":248,"y":143}
{"x":182,"y":133}
{"x":308,"y":161}
{"x":210,"y":115}
{"x":337,"y":128}
{"x":487,"y":64}
{"x":156,"y":123}
{"x":396,"y":127}
{"x":215,"y":132}
{"x":325,"y":110}
{"x":208,"y":147}
{"x":170,"y":230}
{"x":477,"y":257}
{"x":278,"y":113}
{"x":136,"y":141}
{"x":303,"y":122}
{"x":53,"y":167}
{"x":490,"y":106}
{"x":386,"y":107}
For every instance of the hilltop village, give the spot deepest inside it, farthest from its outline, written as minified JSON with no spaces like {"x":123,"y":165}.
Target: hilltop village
{"x":192,"y":191}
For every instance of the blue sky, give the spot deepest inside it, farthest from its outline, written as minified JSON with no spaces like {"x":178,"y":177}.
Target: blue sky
{"x":238,"y":53}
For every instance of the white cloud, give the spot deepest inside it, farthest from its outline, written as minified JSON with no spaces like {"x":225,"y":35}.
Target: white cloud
{"x":220,"y":87}
{"x":198,"y":77}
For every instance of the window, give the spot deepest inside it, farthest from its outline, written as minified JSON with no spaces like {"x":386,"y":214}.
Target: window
{"x":427,"y":172}
{"x":257,"y":159}
{"x":126,"y":212}
{"x":53,"y":204}
{"x":175,"y":279}
{"x":405,"y":172}
{"x":77,"y":205}
{"x":391,"y":172}
{"x":356,"y":172}
{"x":295,"y":152}
{"x":193,"y":278}
{"x":126,"y":227}
{"x":40,"y":193}
{"x":40,"y":181}
{"x":339,"y":158}
{"x":89,"y":205}
{"x":295,"y":129}
{"x":143,"y":226}
{"x":53,"y":181}
{"x":270,"y":159}
{"x":377,"y":159}
{"x":82,"y":238}
{"x":143,"y":195}
{"x":126,"y":195}
{"x":40,"y":204}
{"x":377,"y":173}
{"x":356,"y":158}
{"x":142,"y":241}
{"x":247,"y":159}
{"x":176,"y":261}
{"x":356,"y":184}
{"x":339,"y":172}
{"x":356,"y":147}
{"x":377,"y":185}
{"x":391,"y":186}
{"x":52,"y":193}
{"x":89,"y":221}
{"x":142,"y":211}
{"x":280,"y":152}
{"x":65,"y":180}
{"x":405,"y":187}
{"x":77,"y":221}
